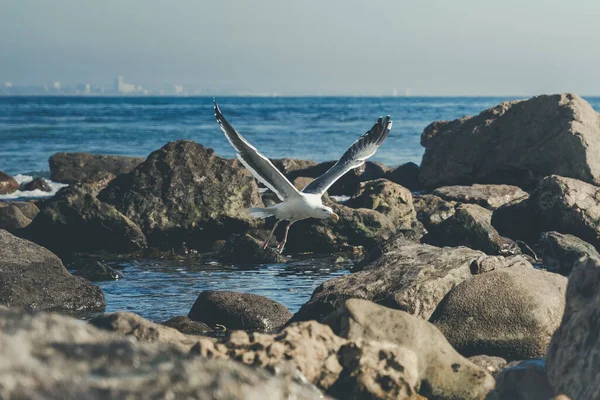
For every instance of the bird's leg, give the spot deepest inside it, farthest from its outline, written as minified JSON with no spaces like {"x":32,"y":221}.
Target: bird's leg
{"x":282,"y":245}
{"x":266,"y":243}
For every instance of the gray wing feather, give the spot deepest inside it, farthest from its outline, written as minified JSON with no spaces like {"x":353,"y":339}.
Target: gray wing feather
{"x":260,"y":166}
{"x":354,"y":157}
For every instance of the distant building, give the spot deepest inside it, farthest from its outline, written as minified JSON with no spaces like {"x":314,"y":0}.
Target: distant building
{"x":122,"y":87}
{"x":178,"y":89}
{"x":8,"y":84}
{"x":56,"y":85}
{"x":84,"y":88}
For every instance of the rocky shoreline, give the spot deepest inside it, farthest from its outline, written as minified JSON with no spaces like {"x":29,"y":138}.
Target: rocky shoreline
{"x":483,"y":284}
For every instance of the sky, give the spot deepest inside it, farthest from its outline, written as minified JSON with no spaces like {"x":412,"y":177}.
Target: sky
{"x":308,"y":47}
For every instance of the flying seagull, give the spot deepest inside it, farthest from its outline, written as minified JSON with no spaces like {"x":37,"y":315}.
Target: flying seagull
{"x":298,"y":205}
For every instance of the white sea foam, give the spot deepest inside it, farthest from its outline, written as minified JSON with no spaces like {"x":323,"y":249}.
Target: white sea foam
{"x":20,"y":178}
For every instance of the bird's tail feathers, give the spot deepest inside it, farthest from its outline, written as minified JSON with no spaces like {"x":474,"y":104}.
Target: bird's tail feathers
{"x":260,"y":212}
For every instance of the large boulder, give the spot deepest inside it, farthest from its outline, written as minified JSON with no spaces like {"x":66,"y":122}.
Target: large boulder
{"x":74,"y":221}
{"x":406,"y":175}
{"x":12,"y":218}
{"x":525,"y":380}
{"x":572,"y":358}
{"x":28,"y":208}
{"x":188,"y":326}
{"x":515,"y":142}
{"x":557,"y":204}
{"x":471,"y":226}
{"x":98,"y":271}
{"x":348,"y":184}
{"x":36,"y":184}
{"x":289,"y":165}
{"x":8,"y":184}
{"x":245,"y":249}
{"x":510,"y":313}
{"x":488,"y":196}
{"x":50,"y":356}
{"x":407,"y":276}
{"x":432,"y":210}
{"x":442,"y":372}
{"x":31,"y":277}
{"x":183,"y":192}
{"x":81,"y":167}
{"x":239,"y":311}
{"x":560,"y":252}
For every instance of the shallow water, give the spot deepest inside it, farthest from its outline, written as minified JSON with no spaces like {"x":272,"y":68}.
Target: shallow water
{"x":159,"y":290}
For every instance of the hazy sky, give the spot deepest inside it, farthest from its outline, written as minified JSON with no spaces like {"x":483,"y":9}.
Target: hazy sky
{"x":445,"y":47}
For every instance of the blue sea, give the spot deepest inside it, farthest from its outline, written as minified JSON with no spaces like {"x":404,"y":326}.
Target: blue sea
{"x":315,"y":128}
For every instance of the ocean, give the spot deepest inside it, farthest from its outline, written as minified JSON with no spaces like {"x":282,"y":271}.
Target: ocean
{"x":315,"y":128}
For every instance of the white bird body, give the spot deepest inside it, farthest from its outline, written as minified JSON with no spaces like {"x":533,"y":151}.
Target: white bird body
{"x":298,"y":205}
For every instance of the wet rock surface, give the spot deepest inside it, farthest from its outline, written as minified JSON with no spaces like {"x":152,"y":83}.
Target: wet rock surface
{"x":234,"y":310}
{"x":36,"y":184}
{"x":245,"y":249}
{"x":497,"y":145}
{"x":31,"y":277}
{"x":74,"y":221}
{"x":473,"y":315}
{"x":187,"y":326}
{"x":565,"y":205}
{"x":524,"y":380}
{"x":488,"y":196}
{"x":99,"y":271}
{"x":80,"y":167}
{"x":432,"y":210}
{"x":572,"y":359}
{"x":8,"y":184}
{"x":183,"y":192}
{"x":560,"y":252}
{"x":471,"y":226}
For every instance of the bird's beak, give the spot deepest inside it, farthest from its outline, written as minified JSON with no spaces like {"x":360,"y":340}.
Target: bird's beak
{"x":335,"y":216}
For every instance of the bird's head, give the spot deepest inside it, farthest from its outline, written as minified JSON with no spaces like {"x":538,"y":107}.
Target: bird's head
{"x":327,"y":212}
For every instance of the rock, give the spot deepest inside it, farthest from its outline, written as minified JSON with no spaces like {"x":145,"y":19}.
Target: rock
{"x":442,"y":372}
{"x":471,"y":226}
{"x":80,"y":167}
{"x":432,"y":210}
{"x":491,"y":364}
{"x":36,"y":184}
{"x":344,"y":369}
{"x":8,"y":184}
{"x":130,"y":324}
{"x":557,"y":204}
{"x":515,"y":142}
{"x":289,"y":165}
{"x":31,"y":277}
{"x":524,"y":380}
{"x":28,"y":208}
{"x":185,"y":325}
{"x":561,"y":252}
{"x":74,"y":221}
{"x":301,"y":182}
{"x":244,"y":249}
{"x":572,"y":358}
{"x":406,"y":175}
{"x":490,"y":263}
{"x":407,"y":276}
{"x":12,"y":219}
{"x":98,"y":271}
{"x":96,"y":183}
{"x":239,"y":311}
{"x":347,"y":185}
{"x":49,"y":356}
{"x":510,"y":313}
{"x":488,"y":196}
{"x":183,"y":192}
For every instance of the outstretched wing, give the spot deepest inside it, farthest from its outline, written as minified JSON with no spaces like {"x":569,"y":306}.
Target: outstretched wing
{"x":260,"y":166}
{"x":354,"y":157}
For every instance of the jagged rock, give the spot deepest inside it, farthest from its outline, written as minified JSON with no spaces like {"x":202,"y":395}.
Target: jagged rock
{"x":31,"y":277}
{"x":474,"y":315}
{"x":36,"y":184}
{"x":515,"y":142}
{"x":28,"y":208}
{"x":239,"y":311}
{"x":488,"y":196}
{"x":183,"y":192}
{"x":347,"y":185}
{"x":407,"y":276}
{"x":12,"y":219}
{"x":301,"y":182}
{"x":524,"y":380}
{"x":8,"y":184}
{"x":572,"y":358}
{"x":185,"y":325}
{"x":244,"y":249}
{"x":289,"y":165}
{"x":432,"y":210}
{"x":491,"y":364}
{"x":406,"y":175}
{"x":490,"y":263}
{"x":560,"y":252}
{"x":80,"y":167}
{"x":49,"y":356}
{"x":98,"y":271}
{"x":74,"y":221}
{"x":557,"y":204}
{"x":442,"y":372}
{"x":471,"y":226}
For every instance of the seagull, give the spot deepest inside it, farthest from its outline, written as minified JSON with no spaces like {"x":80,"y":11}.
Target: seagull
{"x":298,"y":205}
